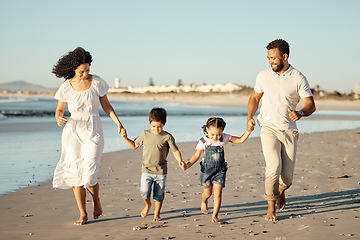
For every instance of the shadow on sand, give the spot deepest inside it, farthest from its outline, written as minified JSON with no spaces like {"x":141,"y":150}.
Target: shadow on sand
{"x":302,"y":205}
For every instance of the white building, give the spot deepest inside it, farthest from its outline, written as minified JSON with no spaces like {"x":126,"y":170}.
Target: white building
{"x":117,"y":82}
{"x":357,"y":91}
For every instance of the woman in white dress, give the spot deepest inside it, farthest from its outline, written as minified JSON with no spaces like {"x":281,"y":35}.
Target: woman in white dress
{"x":82,"y":138}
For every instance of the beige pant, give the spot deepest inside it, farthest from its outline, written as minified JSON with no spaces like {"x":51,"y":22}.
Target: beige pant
{"x":279,"y":148}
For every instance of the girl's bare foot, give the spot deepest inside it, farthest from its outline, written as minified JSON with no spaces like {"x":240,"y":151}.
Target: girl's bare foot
{"x":145,"y":211}
{"x":157,"y":219}
{"x":204,"y":208}
{"x":215,"y":219}
{"x":82,"y":220}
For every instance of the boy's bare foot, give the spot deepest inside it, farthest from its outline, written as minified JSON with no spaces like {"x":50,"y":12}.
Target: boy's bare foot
{"x":215,"y":219}
{"x":157,"y":219}
{"x":204,"y":208}
{"x":281,"y":202}
{"x":145,"y":211}
{"x":82,"y":220}
{"x":97,"y":209}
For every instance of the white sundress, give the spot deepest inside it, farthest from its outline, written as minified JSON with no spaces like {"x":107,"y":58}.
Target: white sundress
{"x":82,"y":138}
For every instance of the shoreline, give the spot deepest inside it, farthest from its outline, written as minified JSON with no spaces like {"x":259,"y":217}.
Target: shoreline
{"x":323,"y":202}
{"x":209,"y":99}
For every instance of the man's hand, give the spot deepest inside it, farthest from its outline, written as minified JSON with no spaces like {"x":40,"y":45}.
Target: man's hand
{"x":294,"y":115}
{"x":250,"y":125}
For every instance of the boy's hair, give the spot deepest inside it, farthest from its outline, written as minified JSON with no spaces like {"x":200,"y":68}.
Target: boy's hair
{"x":281,"y":44}
{"x":215,"y":122}
{"x":157,"y":115}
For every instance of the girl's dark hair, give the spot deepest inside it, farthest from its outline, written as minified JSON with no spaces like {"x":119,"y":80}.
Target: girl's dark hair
{"x":157,"y":115}
{"x":215,"y":122}
{"x":65,"y":67}
{"x":281,"y":44}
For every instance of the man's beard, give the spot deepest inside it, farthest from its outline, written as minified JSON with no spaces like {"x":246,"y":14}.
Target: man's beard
{"x":279,"y":67}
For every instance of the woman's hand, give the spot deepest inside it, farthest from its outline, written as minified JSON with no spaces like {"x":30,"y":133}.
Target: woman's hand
{"x":122,"y":131}
{"x":61,"y":121}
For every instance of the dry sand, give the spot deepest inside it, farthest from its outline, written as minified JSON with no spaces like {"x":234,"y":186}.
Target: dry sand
{"x":323,"y":203}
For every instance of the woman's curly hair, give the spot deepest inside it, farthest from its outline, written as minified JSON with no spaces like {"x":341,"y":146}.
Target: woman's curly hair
{"x":65,"y":67}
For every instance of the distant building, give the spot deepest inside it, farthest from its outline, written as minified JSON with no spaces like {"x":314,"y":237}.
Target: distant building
{"x":357,"y":91}
{"x":117,"y":82}
{"x":229,"y":87}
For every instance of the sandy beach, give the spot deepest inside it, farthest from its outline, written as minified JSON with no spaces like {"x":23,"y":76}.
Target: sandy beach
{"x":323,"y":203}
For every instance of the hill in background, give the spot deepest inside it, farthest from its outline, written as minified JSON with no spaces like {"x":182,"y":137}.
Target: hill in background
{"x":23,"y":86}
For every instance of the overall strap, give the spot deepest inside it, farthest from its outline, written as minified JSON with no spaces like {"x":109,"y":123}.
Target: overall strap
{"x":202,"y":140}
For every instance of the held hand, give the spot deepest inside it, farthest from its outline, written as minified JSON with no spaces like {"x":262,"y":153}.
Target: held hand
{"x":61,"y":121}
{"x":182,"y":164}
{"x":294,"y":115}
{"x":123,"y":133}
{"x":250,"y":125}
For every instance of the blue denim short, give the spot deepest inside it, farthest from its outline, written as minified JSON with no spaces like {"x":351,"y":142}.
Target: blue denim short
{"x":147,"y":183}
{"x":212,"y":174}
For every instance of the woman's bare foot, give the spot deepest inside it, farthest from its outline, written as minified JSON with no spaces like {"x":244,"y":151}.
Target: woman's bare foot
{"x":215,"y":219}
{"x":97,"y":209}
{"x":281,"y":202}
{"x":204,"y":208}
{"x":82,"y":220}
{"x":145,"y":211}
{"x":157,"y":219}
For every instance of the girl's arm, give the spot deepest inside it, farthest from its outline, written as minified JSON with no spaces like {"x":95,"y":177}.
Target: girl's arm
{"x":59,"y":113}
{"x":177,"y":155}
{"x":129,"y":142}
{"x":194,"y":158}
{"x":241,"y":139}
{"x":105,"y":104}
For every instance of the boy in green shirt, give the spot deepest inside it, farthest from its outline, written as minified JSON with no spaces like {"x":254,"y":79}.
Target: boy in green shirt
{"x":156,"y":144}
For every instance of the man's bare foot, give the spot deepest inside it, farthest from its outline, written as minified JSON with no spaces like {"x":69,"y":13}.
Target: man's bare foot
{"x":281,"y":202}
{"x":215,"y":219}
{"x":271,"y":217}
{"x":82,"y":220}
{"x":97,"y":210}
{"x":145,"y":211}
{"x":157,"y":219}
{"x":204,"y":208}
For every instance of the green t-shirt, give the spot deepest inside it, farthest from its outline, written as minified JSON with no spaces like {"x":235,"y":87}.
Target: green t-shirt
{"x":156,"y":149}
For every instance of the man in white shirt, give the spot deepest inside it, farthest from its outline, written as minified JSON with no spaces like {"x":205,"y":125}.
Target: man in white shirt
{"x":280,"y":87}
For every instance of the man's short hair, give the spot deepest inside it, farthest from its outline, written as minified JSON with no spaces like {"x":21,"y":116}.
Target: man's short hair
{"x":157,"y":115}
{"x":281,"y":44}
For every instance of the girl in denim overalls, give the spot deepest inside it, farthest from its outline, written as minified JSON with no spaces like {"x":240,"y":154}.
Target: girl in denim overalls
{"x":213,"y":165}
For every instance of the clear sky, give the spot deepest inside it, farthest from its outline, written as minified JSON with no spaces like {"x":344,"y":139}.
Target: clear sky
{"x":197,"y":41}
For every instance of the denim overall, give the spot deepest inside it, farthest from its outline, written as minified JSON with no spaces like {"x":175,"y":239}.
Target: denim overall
{"x":214,"y":167}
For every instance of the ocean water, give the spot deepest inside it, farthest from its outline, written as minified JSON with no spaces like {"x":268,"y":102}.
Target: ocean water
{"x":30,"y":140}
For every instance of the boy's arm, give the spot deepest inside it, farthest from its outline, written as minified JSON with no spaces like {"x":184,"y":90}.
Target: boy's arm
{"x":177,"y":155}
{"x":194,"y":158}
{"x":130,"y":142}
{"x":235,"y":139}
